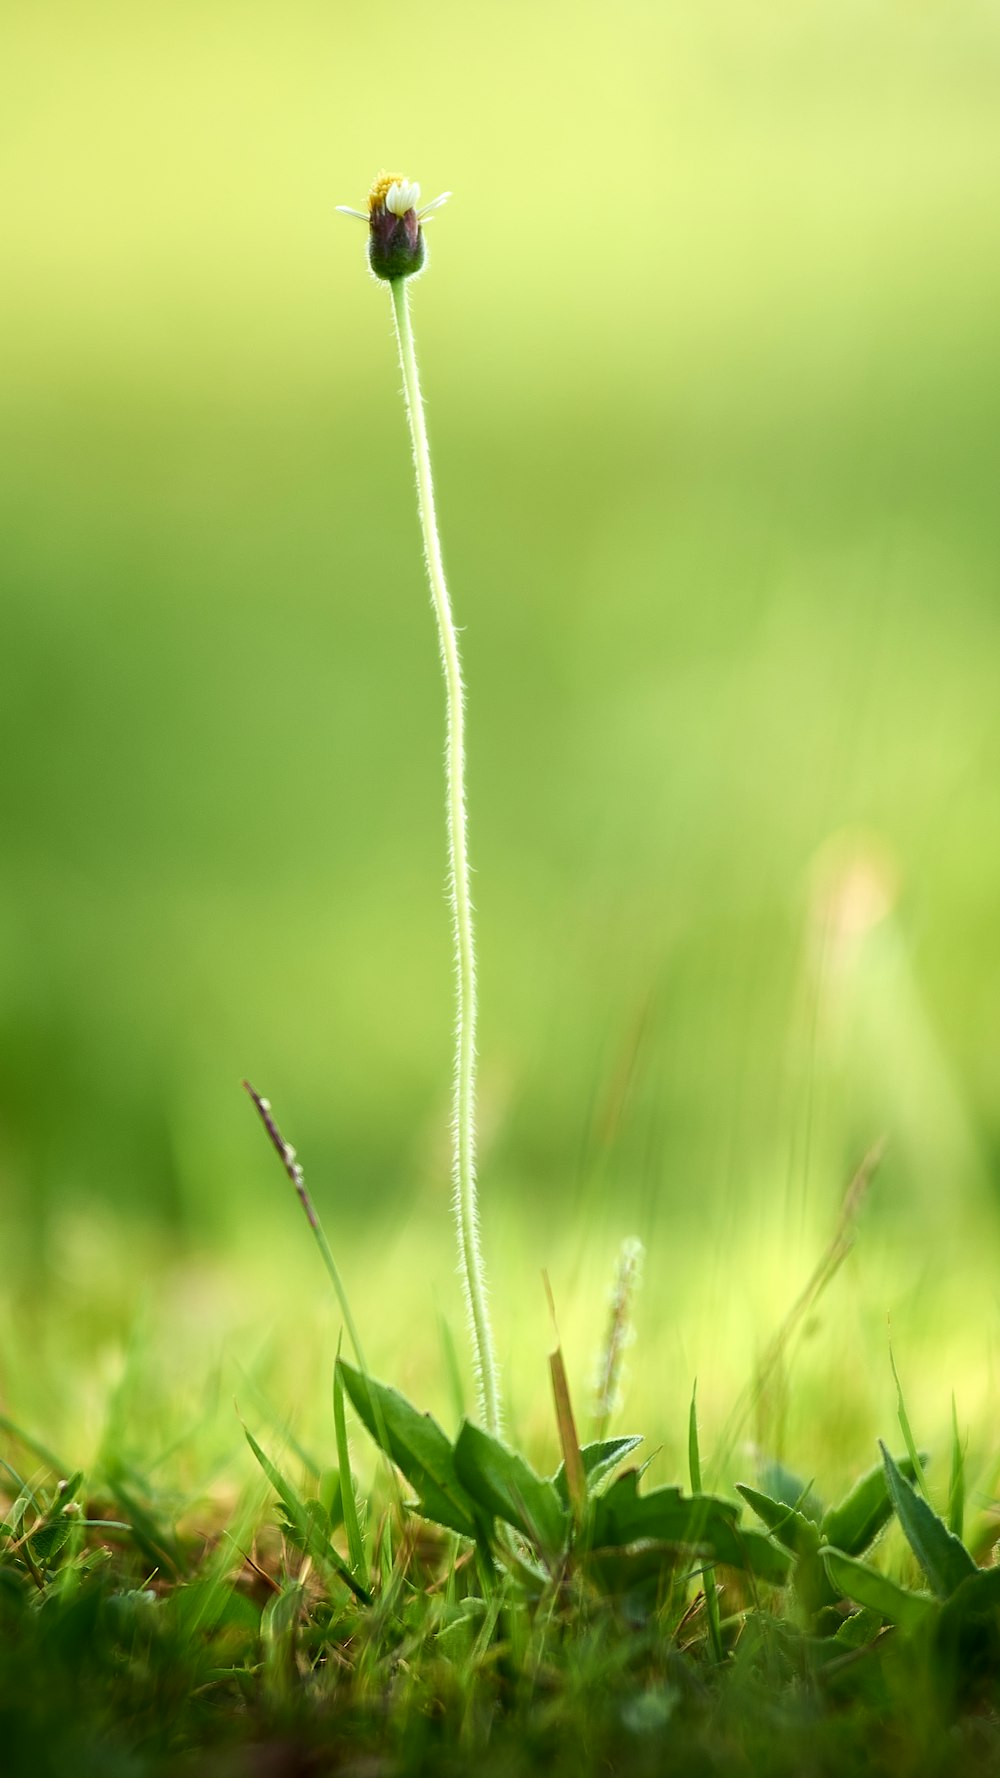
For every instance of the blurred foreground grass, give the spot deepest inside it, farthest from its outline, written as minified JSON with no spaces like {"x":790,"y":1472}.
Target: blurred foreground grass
{"x":710,"y":344}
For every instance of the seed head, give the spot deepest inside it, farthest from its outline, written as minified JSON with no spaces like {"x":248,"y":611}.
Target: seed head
{"x":620,"y":1332}
{"x":395,"y":237}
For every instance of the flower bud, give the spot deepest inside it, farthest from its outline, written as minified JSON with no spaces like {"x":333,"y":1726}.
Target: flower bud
{"x":395,"y":237}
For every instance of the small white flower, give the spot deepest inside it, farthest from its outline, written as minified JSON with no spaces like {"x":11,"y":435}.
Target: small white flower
{"x":392,"y":193}
{"x":402,"y":195}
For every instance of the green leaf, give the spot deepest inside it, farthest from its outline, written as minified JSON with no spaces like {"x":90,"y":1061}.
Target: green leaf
{"x":348,"y":1501}
{"x":755,"y":1552}
{"x":17,"y":1511}
{"x":665,"y":1515}
{"x":702,"y":1522}
{"x":306,"y":1522}
{"x":860,"y":1629}
{"x":417,"y":1446}
{"x":956,"y":1489}
{"x":787,"y":1524}
{"x":507,"y":1488}
{"x":599,"y":1460}
{"x":784,"y":1486}
{"x":943,"y":1558}
{"x":48,"y":1539}
{"x":866,"y":1586}
{"x":855,"y":1522}
{"x":967,"y":1637}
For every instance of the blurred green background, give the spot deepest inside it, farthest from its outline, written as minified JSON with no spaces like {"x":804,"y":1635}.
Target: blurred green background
{"x":709,"y":340}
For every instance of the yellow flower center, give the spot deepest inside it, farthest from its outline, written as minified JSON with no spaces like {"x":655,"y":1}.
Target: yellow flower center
{"x":380,"y":190}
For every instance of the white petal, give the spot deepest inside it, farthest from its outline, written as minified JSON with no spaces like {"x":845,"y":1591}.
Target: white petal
{"x":402,"y":195}
{"x":345,"y":210}
{"x":435,"y":204}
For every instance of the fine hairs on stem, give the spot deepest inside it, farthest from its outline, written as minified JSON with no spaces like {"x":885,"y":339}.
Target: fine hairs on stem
{"x":464,"y":1113}
{"x":396,"y":250}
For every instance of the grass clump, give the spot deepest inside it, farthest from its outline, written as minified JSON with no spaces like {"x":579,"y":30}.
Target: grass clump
{"x":492,"y":1626}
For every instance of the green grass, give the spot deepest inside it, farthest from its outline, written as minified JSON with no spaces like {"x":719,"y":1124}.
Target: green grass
{"x":152,"y":1629}
{"x":719,"y":507}
{"x":229,"y":1589}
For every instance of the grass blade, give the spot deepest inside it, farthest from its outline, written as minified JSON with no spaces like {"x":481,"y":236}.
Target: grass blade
{"x":576,"y":1480}
{"x":34,"y":1445}
{"x":286,"y":1155}
{"x":306,"y":1529}
{"x":694,"y":1474}
{"x":348,"y":1500}
{"x":453,"y":1370}
{"x":908,"y":1438}
{"x":830,"y":1261}
{"x":569,"y":1443}
{"x":956,"y":1487}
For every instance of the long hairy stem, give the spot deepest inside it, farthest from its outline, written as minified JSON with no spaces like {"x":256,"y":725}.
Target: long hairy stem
{"x":464,"y":1115}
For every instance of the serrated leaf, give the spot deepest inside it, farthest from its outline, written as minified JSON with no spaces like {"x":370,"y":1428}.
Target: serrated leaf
{"x":599,"y":1460}
{"x":755,"y":1552}
{"x":970,"y":1619}
{"x":623,"y":1515}
{"x":866,"y":1586}
{"x":978,"y":1593}
{"x":855,"y":1522}
{"x":783,"y":1485}
{"x":506,"y":1487}
{"x":860,"y":1629}
{"x":696,"y":1521}
{"x":945,"y":1561}
{"x":788,"y":1525}
{"x":417,"y":1446}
